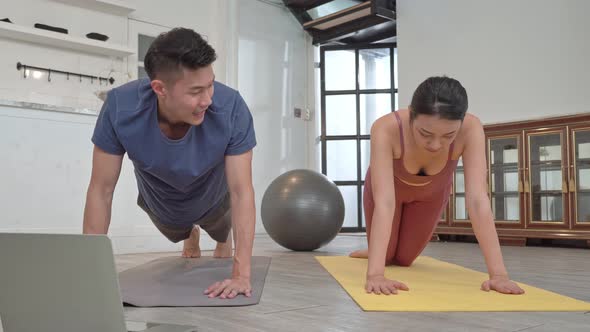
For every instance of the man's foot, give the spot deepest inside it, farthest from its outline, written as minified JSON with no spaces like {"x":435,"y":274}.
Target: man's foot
{"x":191,"y":247}
{"x":224,"y":249}
{"x":360,"y":254}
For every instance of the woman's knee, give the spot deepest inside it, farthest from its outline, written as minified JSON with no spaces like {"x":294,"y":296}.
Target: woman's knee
{"x":402,"y":260}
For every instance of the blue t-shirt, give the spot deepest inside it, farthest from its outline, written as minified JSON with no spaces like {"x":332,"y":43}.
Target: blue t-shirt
{"x":181,"y":181}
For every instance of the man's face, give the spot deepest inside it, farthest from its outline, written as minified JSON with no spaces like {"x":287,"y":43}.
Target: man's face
{"x":188,"y":97}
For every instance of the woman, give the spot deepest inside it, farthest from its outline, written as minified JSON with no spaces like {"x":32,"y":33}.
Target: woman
{"x":414,"y":154}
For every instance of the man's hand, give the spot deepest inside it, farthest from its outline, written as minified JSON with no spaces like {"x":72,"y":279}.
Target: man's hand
{"x":230,"y":288}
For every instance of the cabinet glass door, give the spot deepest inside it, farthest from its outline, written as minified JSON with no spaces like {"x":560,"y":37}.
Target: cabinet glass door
{"x":443,"y":217}
{"x":505,"y":180}
{"x":459,"y":206}
{"x":546,"y":181}
{"x":580,"y":179}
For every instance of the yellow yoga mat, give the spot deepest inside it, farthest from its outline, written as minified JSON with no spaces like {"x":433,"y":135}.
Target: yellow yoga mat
{"x":440,"y":286}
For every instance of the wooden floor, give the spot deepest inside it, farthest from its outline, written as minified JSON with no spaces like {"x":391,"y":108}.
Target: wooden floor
{"x":299,"y":295}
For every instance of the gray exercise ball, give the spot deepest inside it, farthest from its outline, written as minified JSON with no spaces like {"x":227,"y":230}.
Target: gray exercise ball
{"x":302,"y":210}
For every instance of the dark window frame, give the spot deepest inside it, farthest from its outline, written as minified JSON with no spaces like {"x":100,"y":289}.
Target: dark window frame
{"x":324,"y":138}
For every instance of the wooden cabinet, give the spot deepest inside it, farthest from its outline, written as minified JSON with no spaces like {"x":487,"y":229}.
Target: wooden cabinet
{"x":538,"y":181}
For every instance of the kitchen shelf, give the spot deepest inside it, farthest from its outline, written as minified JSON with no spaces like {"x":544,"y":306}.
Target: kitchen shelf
{"x":116,"y":7}
{"x":60,"y":40}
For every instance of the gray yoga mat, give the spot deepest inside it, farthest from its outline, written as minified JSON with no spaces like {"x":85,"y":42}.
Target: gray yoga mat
{"x":180,"y":282}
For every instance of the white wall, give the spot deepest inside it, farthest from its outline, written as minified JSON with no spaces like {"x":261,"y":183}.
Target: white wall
{"x":208,"y":17}
{"x":45,"y":175}
{"x":517,"y":59}
{"x":272,"y":77}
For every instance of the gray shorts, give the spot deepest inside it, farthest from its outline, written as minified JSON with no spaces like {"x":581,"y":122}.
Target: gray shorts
{"x":217,"y":223}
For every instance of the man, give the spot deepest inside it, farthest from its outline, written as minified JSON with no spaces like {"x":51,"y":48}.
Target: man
{"x":192,"y":153}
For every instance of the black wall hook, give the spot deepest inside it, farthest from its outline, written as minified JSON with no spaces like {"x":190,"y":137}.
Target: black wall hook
{"x":20,"y":66}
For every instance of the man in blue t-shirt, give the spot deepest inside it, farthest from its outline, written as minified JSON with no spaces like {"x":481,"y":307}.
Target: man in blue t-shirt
{"x":192,"y":153}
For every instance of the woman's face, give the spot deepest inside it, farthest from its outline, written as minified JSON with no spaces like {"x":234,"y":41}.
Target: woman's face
{"x":433,"y":134}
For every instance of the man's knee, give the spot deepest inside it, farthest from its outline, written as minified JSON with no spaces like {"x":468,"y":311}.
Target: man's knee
{"x":220,"y":228}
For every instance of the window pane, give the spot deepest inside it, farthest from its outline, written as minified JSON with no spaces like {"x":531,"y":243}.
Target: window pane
{"x":459,"y":182}
{"x":512,"y":208}
{"x":510,"y":155}
{"x":583,"y":151}
{"x":582,"y":145}
{"x":507,"y":182}
{"x":341,"y":115}
{"x":550,"y":208}
{"x":582,"y":167}
{"x":506,"y":207}
{"x":546,"y":178}
{"x":584,"y":178}
{"x":350,"y":205}
{"x":460,"y":210}
{"x":341,"y":160}
{"x":144,"y":43}
{"x":340,"y":70}
{"x":546,"y":147}
{"x":364,"y":221}
{"x":365,"y":157}
{"x":374,"y":68}
{"x":550,"y":152}
{"x":373,"y":106}
{"x":550,"y":180}
{"x":583,"y":207}
{"x":504,"y":150}
{"x":395,"y":75}
{"x":511,"y":181}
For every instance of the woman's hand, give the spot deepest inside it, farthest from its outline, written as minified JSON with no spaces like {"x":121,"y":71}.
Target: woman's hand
{"x":381,"y":285}
{"x":502,"y":285}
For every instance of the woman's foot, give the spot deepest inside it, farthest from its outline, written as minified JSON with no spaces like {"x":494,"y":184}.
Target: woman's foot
{"x":360,"y":254}
{"x":191,"y":247}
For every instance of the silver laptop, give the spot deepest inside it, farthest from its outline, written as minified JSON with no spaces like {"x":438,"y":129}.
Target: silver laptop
{"x":63,"y":282}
